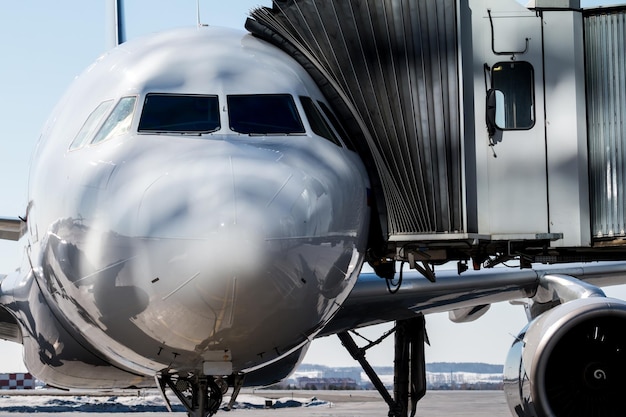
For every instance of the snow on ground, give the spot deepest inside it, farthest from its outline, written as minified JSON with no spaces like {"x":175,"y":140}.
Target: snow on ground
{"x":41,"y":402}
{"x":252,"y":401}
{"x":81,"y":403}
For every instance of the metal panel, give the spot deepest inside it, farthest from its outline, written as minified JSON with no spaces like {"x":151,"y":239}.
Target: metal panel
{"x":566,"y":127}
{"x":392,"y":65}
{"x":511,"y":182}
{"x":605,"y":54}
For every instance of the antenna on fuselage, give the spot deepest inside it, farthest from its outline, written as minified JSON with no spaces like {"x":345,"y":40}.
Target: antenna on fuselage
{"x":200,"y":24}
{"x":116,"y":27}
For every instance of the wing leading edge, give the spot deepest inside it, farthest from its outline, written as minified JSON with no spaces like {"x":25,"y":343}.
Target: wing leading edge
{"x":370,"y":302}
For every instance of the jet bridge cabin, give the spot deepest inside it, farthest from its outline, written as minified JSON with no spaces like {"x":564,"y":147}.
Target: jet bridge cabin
{"x":490,"y":130}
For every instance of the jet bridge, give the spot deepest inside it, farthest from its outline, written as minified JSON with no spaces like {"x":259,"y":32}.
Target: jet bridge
{"x":490,"y":130}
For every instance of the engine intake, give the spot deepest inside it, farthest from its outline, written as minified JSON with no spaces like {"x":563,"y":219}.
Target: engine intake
{"x":570,"y":361}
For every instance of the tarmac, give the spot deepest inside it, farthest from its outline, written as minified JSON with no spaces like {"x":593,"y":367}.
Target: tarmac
{"x":369,"y":404}
{"x":346,"y":404}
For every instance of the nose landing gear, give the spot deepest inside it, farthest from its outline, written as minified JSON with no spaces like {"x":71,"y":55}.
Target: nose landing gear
{"x":200,"y":395}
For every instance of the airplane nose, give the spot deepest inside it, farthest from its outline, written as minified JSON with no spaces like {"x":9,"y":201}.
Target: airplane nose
{"x":221,"y":209}
{"x":205,"y":198}
{"x":237,"y":238}
{"x":219,"y":195}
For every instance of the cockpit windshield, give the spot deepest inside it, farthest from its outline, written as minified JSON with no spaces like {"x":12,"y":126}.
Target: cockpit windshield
{"x":177,"y":113}
{"x":264,"y":114}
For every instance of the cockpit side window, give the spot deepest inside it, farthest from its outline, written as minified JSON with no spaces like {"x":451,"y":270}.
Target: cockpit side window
{"x":88,"y":129}
{"x":319,"y":125}
{"x":334,"y":121}
{"x":264,"y":114}
{"x":180,"y":113}
{"x":118,"y":121}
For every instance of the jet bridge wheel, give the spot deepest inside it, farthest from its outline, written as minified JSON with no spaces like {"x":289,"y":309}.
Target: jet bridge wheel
{"x":200,"y":395}
{"x":409,"y":382}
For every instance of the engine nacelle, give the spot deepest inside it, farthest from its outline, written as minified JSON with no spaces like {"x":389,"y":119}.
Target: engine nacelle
{"x":570,"y":361}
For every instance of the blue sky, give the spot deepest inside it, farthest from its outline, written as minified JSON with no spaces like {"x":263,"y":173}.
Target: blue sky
{"x":45,"y":44}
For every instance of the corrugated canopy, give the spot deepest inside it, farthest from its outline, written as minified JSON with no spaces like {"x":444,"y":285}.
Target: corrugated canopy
{"x":605,"y":54}
{"x":390,"y":69}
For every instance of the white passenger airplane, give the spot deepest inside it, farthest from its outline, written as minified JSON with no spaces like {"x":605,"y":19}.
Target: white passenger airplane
{"x":195,"y":220}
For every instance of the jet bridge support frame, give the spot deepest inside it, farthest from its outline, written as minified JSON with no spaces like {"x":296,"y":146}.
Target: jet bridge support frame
{"x":409,"y":384}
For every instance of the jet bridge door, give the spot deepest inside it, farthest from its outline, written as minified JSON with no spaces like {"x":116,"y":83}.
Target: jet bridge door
{"x":508,"y":199}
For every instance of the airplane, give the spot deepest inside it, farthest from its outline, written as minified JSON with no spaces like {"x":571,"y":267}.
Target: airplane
{"x":196,"y":217}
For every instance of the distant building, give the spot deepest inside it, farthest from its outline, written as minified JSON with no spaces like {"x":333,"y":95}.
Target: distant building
{"x":439,"y":376}
{"x":349,"y":373}
{"x":327,"y":383}
{"x":17,"y":381}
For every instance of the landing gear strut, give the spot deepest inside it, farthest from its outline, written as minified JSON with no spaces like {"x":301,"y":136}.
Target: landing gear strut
{"x":409,"y":384}
{"x":200,"y":395}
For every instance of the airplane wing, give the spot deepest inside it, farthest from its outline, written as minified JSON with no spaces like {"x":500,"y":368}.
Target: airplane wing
{"x":574,"y":337}
{"x":467,"y":296}
{"x":12,"y":228}
{"x":9,"y":328}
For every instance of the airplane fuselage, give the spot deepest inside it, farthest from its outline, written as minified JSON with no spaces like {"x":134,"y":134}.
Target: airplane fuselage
{"x":191,"y":208}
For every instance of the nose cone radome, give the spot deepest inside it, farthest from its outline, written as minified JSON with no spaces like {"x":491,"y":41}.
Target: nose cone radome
{"x":232,"y":245}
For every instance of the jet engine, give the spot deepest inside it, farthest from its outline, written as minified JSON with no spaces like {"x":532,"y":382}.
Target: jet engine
{"x":570,"y":361}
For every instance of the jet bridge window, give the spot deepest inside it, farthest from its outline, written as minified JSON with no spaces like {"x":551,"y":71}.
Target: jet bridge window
{"x":513,"y":86}
{"x":88,"y":129}
{"x":264,"y":114}
{"x":118,"y":121}
{"x":178,"y":113}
